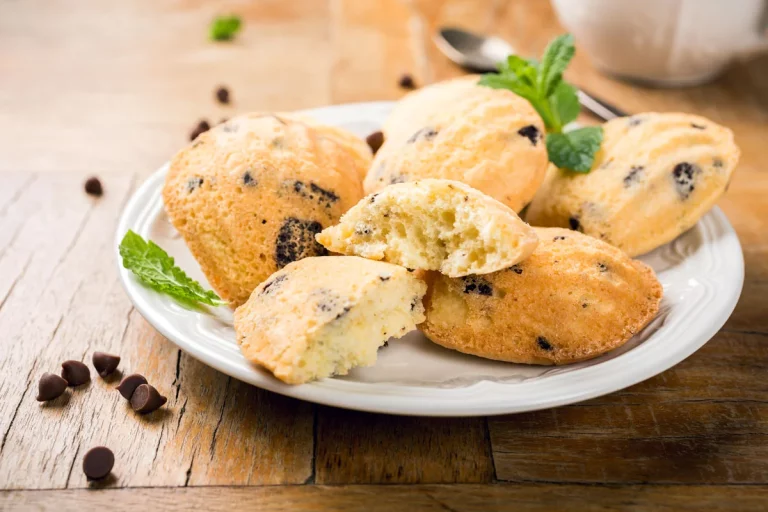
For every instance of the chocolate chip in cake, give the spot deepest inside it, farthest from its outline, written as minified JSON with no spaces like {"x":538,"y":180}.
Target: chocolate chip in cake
{"x":296,"y":240}
{"x":698,"y":126}
{"x":684,"y":175}
{"x":273,"y":285}
{"x":602,"y":267}
{"x":531,"y":133}
{"x":202,"y":127}
{"x":93,"y":187}
{"x":248,"y":179}
{"x":634,"y":121}
{"x":222,"y":95}
{"x":50,"y":386}
{"x":517,"y":269}
{"x":477,"y":285}
{"x":406,"y":81}
{"x":194,"y":183}
{"x":98,"y":462}
{"x":375,"y":140}
{"x":129,"y":384}
{"x":574,"y":223}
{"x":634,"y":175}
{"x":146,"y":399}
{"x":105,"y":363}
{"x":75,"y":373}
{"x":543,"y":343}
{"x":426,"y":133}
{"x":559,"y":237}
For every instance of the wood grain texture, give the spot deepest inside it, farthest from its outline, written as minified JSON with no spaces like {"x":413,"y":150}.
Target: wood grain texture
{"x":213,"y":430}
{"x":355,"y":447}
{"x":428,"y":498}
{"x":703,"y":421}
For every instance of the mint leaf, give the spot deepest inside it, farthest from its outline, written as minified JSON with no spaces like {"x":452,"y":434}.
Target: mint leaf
{"x":565,"y":104}
{"x":575,"y":150}
{"x":557,"y":55}
{"x":224,"y":28}
{"x":155,"y":268}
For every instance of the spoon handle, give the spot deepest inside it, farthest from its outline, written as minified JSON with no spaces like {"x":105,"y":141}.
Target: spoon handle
{"x":601,"y":109}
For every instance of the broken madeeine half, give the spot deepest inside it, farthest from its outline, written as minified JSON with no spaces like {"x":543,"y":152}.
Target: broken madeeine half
{"x":433,"y":224}
{"x":322,"y":316}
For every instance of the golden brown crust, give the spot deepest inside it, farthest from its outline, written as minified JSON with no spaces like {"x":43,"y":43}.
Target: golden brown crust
{"x":654,"y":177}
{"x":490,"y":139}
{"x":249,"y":195}
{"x":574,"y":298}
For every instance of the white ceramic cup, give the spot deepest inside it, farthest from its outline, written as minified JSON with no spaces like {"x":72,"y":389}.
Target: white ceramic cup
{"x":665,"y":42}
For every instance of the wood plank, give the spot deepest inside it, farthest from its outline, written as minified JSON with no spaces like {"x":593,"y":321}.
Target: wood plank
{"x":356,"y":447}
{"x":71,"y":283}
{"x":429,"y":498}
{"x":79,"y":94}
{"x":704,"y":421}
{"x":372,"y":48}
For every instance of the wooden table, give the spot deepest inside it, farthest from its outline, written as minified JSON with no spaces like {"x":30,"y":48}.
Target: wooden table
{"x":113,"y":87}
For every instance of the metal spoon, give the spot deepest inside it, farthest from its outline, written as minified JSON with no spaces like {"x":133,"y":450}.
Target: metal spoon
{"x":482,"y":54}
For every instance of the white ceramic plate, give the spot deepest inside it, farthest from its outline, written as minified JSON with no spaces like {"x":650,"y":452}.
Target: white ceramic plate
{"x":702,"y":273}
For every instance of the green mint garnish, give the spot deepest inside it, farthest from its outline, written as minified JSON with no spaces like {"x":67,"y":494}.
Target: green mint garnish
{"x":155,"y":268}
{"x":224,"y":28}
{"x":542,"y":84}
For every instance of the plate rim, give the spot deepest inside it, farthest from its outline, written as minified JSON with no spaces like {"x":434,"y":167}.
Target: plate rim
{"x":600,"y":382}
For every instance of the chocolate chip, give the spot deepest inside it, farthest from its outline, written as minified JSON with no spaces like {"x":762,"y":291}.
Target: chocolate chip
{"x":248,"y":180}
{"x":385,"y":278}
{"x":75,"y":373}
{"x":684,"y":176}
{"x":634,"y":175}
{"x":194,"y":183}
{"x":602,"y":267}
{"x":222,"y":94}
{"x":584,"y":305}
{"x":105,"y":363}
{"x":50,"y":386}
{"x":717,"y":163}
{"x":129,"y":384}
{"x":146,"y":399}
{"x":516,"y":269}
{"x":328,"y":195}
{"x":296,"y":240}
{"x":375,"y":140}
{"x":559,"y":237}
{"x":414,"y":302}
{"x":406,"y":82}
{"x":373,"y":198}
{"x":543,"y":343}
{"x":426,"y":133}
{"x":98,"y":462}
{"x":343,"y":312}
{"x":698,"y":126}
{"x":634,"y":121}
{"x":477,"y":285}
{"x":393,"y":180}
{"x":202,"y":127}
{"x":93,"y":187}
{"x":273,"y":285}
{"x":574,"y":223}
{"x":531,"y":133}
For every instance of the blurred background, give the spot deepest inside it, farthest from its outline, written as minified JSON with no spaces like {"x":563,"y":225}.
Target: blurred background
{"x":118,"y":85}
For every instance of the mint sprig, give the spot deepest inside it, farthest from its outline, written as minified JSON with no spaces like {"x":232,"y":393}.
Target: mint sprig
{"x":224,"y":28}
{"x":542,"y":84}
{"x":155,"y":268}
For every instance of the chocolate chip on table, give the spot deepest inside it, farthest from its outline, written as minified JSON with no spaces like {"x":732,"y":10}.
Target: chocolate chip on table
{"x":406,"y":82}
{"x":129,"y":384}
{"x":375,"y":140}
{"x":146,"y":399}
{"x":202,"y":127}
{"x":222,"y":94}
{"x":50,"y":386}
{"x":93,"y":187}
{"x":75,"y":373}
{"x":98,"y":462}
{"x":105,"y":363}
